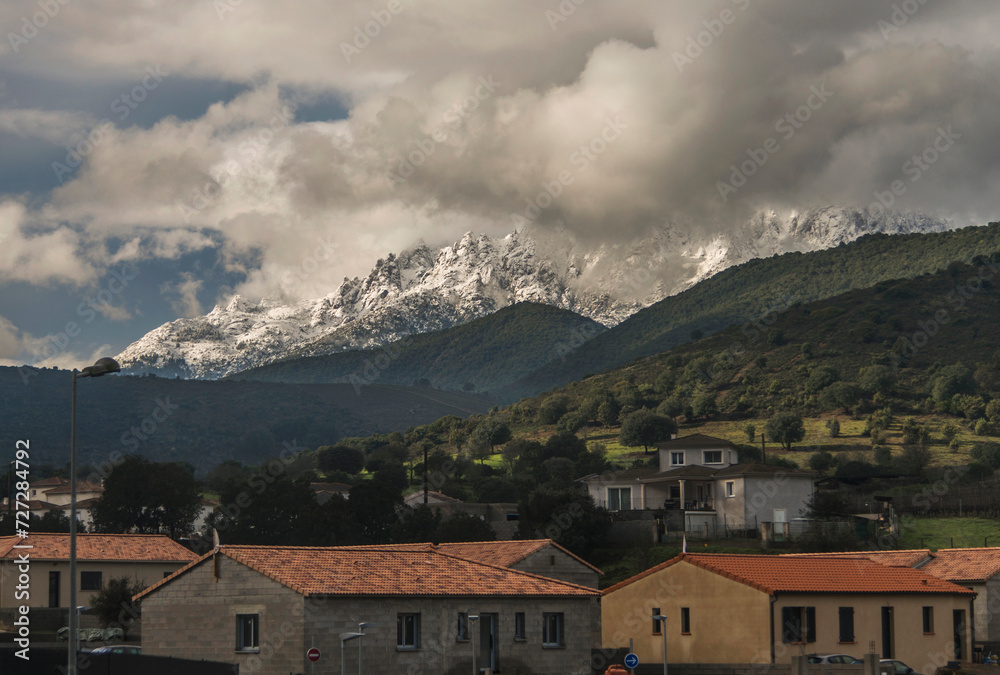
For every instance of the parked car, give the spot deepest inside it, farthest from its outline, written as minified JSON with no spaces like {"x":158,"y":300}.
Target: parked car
{"x":894,"y":667}
{"x":117,"y":649}
{"x":832,"y":658}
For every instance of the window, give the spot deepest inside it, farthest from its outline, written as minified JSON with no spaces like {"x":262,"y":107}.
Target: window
{"x":675,"y":492}
{"x":798,"y":624}
{"x":408,"y":631}
{"x":248,"y":632}
{"x":552,"y":629}
{"x":730,"y":488}
{"x":656,"y":622}
{"x":928,"y":619}
{"x":713,"y":456}
{"x":519,"y":632}
{"x":847,"y":624}
{"x":685,"y":620}
{"x":676,"y":458}
{"x":619,"y":499}
{"x":90,"y":581}
{"x":463,"y":627}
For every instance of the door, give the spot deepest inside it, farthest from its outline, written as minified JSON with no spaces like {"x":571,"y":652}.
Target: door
{"x":958,"y":618}
{"x":779,"y":524}
{"x":53,"y":589}
{"x":488,"y":657}
{"x":888,"y":637}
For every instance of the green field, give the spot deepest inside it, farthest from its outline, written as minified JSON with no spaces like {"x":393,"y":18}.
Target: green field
{"x":948,"y":532}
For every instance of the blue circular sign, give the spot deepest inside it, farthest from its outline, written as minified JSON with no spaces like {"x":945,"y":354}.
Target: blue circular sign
{"x":631,"y":660}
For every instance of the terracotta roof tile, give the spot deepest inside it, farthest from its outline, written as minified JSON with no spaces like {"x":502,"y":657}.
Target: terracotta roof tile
{"x":903,"y":558}
{"x":964,"y":564}
{"x":499,"y":553}
{"x":386,"y":571}
{"x":104,"y":547}
{"x":810,"y":574}
{"x":81,"y":486}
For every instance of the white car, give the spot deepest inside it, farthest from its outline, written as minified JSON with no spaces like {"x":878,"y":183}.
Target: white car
{"x":894,"y":667}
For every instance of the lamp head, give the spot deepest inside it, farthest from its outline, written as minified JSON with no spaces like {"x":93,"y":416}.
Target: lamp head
{"x":103,"y":366}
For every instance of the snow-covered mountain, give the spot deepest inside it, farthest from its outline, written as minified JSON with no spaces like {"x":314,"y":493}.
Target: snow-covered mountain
{"x":421,"y":290}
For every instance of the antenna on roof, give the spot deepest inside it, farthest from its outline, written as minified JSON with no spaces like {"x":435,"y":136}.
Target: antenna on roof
{"x":215,"y":552}
{"x":215,"y":538}
{"x":684,"y":543}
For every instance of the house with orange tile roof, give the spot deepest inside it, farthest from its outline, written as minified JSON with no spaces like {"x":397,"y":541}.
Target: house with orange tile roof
{"x":699,"y":483}
{"x":760,"y":609}
{"x":100,"y":557}
{"x":538,"y":556}
{"x":977,"y":569}
{"x":263,"y":607}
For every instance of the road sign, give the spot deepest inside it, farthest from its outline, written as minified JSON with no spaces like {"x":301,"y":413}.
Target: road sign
{"x":313,"y":655}
{"x":631,"y":660}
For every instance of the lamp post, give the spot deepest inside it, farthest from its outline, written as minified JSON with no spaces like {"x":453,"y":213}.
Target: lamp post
{"x":101,"y":367}
{"x":663,"y":630}
{"x":361,"y":634}
{"x":344,"y":638}
{"x":473,"y":625}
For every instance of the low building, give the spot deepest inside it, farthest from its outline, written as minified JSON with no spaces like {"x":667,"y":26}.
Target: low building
{"x":977,"y":569}
{"x":100,"y":557}
{"x":766,"y":609}
{"x":264,"y":607}
{"x":699,"y":484}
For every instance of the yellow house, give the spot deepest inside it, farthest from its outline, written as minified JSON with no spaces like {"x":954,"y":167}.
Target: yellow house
{"x":724,"y":608}
{"x":44,"y":558}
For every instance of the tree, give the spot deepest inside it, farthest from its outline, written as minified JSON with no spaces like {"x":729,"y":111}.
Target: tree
{"x":822,"y":461}
{"x":465,"y":527}
{"x":750,"y":430}
{"x":833,"y":427}
{"x":951,"y":380}
{"x":417,"y":525}
{"x":914,"y":459}
{"x":492,"y":432}
{"x":114,"y":606}
{"x":644,"y":427}
{"x":820,"y":378}
{"x":552,"y":409}
{"x":842,"y":395}
{"x":148,"y":498}
{"x":55,"y":520}
{"x":785,"y":428}
{"x":566,"y":516}
{"x":878,"y":380}
{"x":607,"y":413}
{"x":340,"y":458}
{"x":704,"y":404}
{"x":571,"y":422}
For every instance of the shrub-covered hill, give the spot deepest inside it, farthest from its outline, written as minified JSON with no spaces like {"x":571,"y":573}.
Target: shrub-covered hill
{"x":926,"y":344}
{"x":204,"y":422}
{"x":759,"y":286}
{"x":482,"y":355}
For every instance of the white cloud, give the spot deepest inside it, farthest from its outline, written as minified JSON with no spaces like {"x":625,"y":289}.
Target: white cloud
{"x":266,"y":191}
{"x":55,"y":126}
{"x":183,"y":295}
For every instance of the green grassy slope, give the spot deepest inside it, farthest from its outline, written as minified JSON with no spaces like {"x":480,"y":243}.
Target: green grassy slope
{"x":757,"y":288}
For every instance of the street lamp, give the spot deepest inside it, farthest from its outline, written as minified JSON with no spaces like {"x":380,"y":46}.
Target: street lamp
{"x":344,"y":638}
{"x":663,"y":630}
{"x":473,"y":624}
{"x":101,"y":367}
{"x":361,"y":634}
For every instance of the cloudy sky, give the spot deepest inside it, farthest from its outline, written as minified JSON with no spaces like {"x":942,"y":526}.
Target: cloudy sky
{"x":157,"y":156}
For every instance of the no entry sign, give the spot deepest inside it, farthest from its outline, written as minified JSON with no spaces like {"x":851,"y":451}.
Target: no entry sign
{"x":313,"y":655}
